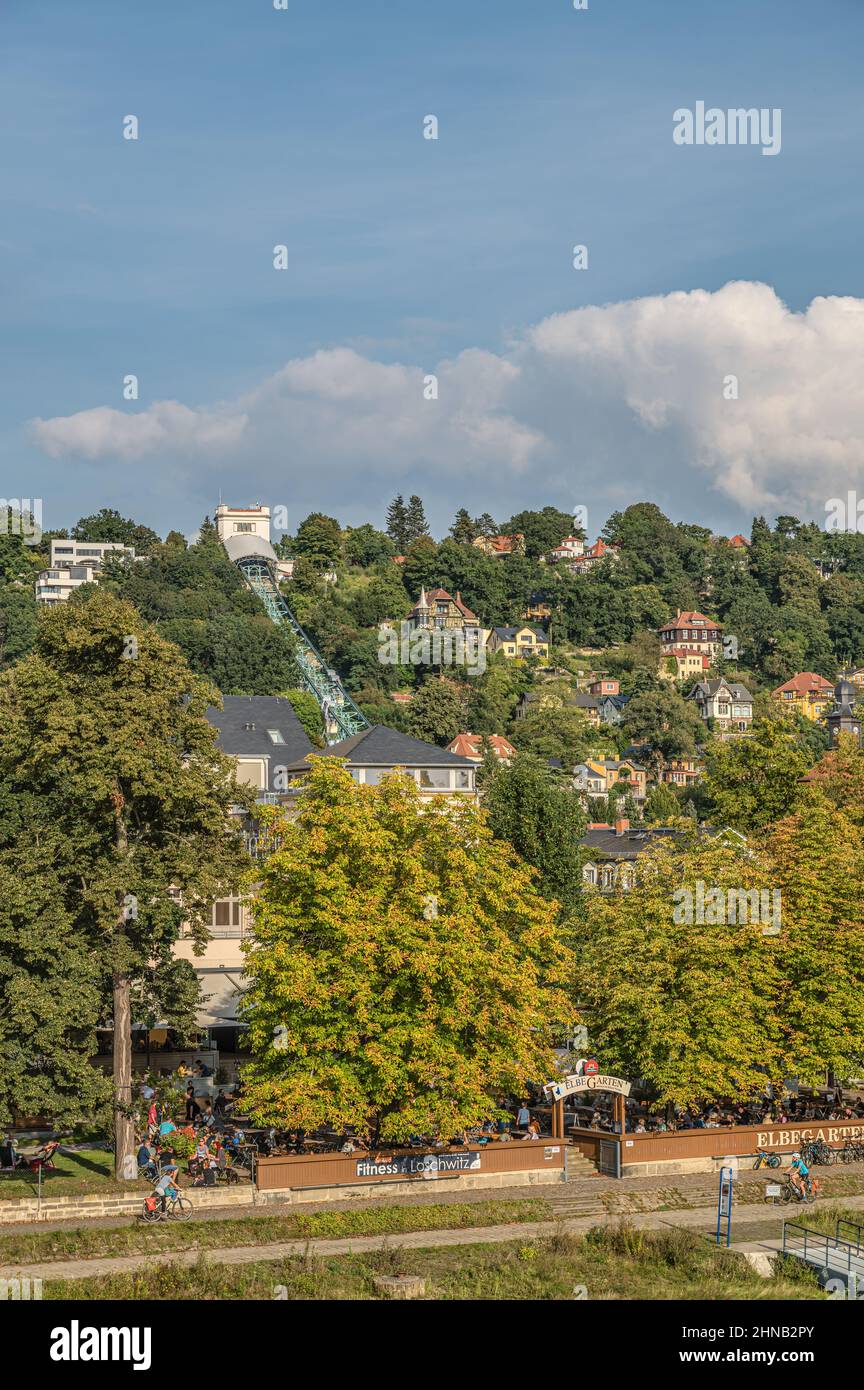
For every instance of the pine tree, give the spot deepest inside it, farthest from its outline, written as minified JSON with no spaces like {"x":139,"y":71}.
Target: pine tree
{"x":415,"y":520}
{"x":463,"y":530}
{"x":397,"y":523}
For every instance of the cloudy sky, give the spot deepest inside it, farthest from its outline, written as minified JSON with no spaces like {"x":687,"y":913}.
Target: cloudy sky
{"x":410,"y":258}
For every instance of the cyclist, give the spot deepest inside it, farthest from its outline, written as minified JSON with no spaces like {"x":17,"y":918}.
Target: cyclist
{"x":167,"y":1185}
{"x":799,"y":1176}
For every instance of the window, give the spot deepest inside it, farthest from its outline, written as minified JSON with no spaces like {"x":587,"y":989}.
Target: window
{"x":435,"y":778}
{"x":463,"y":779}
{"x":374,"y":775}
{"x":251,"y":774}
{"x":226,"y":917}
{"x":244,"y":526}
{"x":275,"y":735}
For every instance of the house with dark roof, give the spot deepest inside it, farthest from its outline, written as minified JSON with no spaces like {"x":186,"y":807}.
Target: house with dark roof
{"x":371,"y":754}
{"x":519,"y":641}
{"x":614,"y":850}
{"x":727,"y":704}
{"x":261,"y":733}
{"x":609,"y":707}
{"x":548,"y":697}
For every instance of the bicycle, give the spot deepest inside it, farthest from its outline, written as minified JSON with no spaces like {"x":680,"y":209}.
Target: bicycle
{"x":766,"y":1160}
{"x":852,"y":1152}
{"x":177,"y":1208}
{"x":791,"y":1193}
{"x":818,"y":1152}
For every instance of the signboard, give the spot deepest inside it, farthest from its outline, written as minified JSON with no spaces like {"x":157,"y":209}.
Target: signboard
{"x":794,"y":1138}
{"x":417,"y":1165}
{"x":570,"y":1085}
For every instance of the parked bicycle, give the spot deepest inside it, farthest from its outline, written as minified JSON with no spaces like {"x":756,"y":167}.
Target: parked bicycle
{"x":766,"y":1160}
{"x":818,"y":1152}
{"x":851,"y":1152}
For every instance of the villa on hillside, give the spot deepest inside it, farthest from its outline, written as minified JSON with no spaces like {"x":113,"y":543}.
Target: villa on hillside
{"x":728,"y":705}
{"x":525,"y":641}
{"x":808,"y":694}
{"x":471,"y":746}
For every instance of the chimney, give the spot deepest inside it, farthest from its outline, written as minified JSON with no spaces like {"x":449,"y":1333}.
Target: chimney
{"x":621,"y":827}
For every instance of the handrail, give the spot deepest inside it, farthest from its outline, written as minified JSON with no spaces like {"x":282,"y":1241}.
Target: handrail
{"x":341,"y":716}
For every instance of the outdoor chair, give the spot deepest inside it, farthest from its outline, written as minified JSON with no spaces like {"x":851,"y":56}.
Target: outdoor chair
{"x":45,"y":1158}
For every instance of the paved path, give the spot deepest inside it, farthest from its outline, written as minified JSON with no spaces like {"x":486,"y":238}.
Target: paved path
{"x":695,"y":1219}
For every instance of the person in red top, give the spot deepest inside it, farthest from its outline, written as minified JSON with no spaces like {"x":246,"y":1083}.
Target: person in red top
{"x":152,"y":1118}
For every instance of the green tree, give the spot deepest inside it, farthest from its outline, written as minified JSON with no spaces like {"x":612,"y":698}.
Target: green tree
{"x":319,"y":540}
{"x":397,"y":523}
{"x":108,"y":525}
{"x":463,"y":530}
{"x":416,"y":525}
{"x":542,"y":530}
{"x":542,"y":818}
{"x":437,"y":712}
{"x":817,"y":858}
{"x":689,"y":1006}
{"x":404,"y":969}
{"x":661,"y":805}
{"x":753,"y":781}
{"x":110,"y":773}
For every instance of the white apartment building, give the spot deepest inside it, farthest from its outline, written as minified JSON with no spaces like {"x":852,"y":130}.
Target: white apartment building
{"x":74,"y":563}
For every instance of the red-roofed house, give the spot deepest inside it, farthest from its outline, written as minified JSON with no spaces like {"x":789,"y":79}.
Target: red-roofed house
{"x":501,"y":545}
{"x":471,"y":746}
{"x":807,"y":693}
{"x":594,"y":555}
{"x":438,"y":609}
{"x":690,"y":631}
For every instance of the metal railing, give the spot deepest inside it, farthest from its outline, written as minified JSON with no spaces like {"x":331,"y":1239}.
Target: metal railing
{"x":341,"y":716}
{"x":832,"y":1253}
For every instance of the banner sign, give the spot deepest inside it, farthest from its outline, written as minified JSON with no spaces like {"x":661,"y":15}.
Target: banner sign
{"x":557,"y":1090}
{"x":417,"y":1165}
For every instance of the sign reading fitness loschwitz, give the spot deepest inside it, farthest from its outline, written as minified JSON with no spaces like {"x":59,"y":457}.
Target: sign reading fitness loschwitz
{"x":417,"y":1165}
{"x":557,"y":1090}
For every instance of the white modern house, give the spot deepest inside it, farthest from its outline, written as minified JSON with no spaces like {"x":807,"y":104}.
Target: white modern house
{"x":74,"y":563}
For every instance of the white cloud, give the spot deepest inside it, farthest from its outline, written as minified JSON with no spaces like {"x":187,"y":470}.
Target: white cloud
{"x":167,"y":427}
{"x":618,"y":402}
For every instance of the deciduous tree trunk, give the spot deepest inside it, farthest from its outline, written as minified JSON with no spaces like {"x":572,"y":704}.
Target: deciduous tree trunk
{"x":124,"y":1136}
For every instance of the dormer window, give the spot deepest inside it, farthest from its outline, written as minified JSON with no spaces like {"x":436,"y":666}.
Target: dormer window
{"x":275,"y":735}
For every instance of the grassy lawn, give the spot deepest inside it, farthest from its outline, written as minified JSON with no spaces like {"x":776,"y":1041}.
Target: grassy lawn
{"x":608,"y":1264}
{"x":76,"y":1174}
{"x":134,"y":1238}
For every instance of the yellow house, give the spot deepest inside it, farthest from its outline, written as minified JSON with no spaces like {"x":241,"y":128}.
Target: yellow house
{"x":807,"y":693}
{"x":519,"y":641}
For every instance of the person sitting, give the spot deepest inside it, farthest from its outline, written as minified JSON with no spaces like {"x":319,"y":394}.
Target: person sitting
{"x":9,"y":1157}
{"x":146,"y":1160}
{"x":533,"y":1130}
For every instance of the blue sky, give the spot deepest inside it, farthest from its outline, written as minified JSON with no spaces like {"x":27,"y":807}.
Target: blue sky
{"x":303,"y":127}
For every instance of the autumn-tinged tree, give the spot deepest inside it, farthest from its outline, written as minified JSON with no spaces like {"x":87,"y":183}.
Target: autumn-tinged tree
{"x":404,"y":968}
{"x":114,"y":811}
{"x":817,"y":858}
{"x":689,"y":1006}
{"x":754,"y":781}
